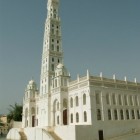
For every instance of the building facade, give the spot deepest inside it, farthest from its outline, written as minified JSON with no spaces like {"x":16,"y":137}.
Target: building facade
{"x":88,"y":108}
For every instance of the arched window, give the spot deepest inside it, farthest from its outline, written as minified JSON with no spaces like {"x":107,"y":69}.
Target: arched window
{"x":57,"y":48}
{"x":121,"y":114}
{"x":77,"y":101}
{"x":114,"y":99}
{"x":77,"y":117}
{"x":71,"y":117}
{"x":55,"y":82}
{"x":32,"y":110}
{"x":125,"y":100}
{"x":107,"y":98}
{"x":64,"y":103}
{"x":131,"y":100}
{"x":71,"y":102}
{"x":52,"y":67}
{"x":120,"y":100}
{"x":52,"y":47}
{"x":138,"y":114}
{"x":115,"y":115}
{"x":97,"y":98}
{"x":136,"y":100}
{"x":54,"y":15}
{"x":37,"y":110}
{"x":57,"y":119}
{"x":57,"y":105}
{"x":133,"y":114}
{"x":127,"y":114}
{"x":85,"y":116}
{"x":99,"y":117}
{"x":84,"y":99}
{"x":109,"y":114}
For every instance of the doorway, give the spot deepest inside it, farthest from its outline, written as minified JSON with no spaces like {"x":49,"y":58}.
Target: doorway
{"x":101,"y":135}
{"x":33,"y":121}
{"x":65,"y":117}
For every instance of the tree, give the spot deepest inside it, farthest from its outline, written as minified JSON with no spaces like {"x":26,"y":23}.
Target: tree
{"x":15,"y":113}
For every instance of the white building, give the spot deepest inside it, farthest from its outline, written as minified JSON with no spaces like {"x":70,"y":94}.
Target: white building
{"x":88,"y":108}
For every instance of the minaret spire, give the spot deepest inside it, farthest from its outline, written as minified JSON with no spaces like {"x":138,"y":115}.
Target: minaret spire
{"x":52,"y":46}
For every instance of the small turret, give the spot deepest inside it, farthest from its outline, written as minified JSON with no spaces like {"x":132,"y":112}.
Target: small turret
{"x":61,"y":77}
{"x":31,"y":91}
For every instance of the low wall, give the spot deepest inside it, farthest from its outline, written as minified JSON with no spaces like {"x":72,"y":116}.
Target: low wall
{"x":13,"y":134}
{"x":37,"y":134}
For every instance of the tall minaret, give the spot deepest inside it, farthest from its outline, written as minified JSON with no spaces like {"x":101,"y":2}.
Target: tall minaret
{"x":52,"y":46}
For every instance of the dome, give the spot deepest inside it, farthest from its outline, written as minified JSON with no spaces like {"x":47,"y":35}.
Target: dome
{"x":31,"y":82}
{"x":60,"y":66}
{"x":32,"y":85}
{"x":61,"y":70}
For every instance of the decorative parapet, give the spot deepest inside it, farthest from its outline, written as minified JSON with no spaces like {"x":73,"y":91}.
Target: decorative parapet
{"x":114,"y":83}
{"x":103,"y":82}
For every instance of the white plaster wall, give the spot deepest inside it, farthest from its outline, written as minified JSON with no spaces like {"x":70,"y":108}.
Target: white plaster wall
{"x":66,"y":132}
{"x":43,"y":114}
{"x":17,"y":124}
{"x":116,"y":128}
{"x":85,"y":132}
{"x":37,"y":134}
{"x":112,"y":128}
{"x":80,"y":108}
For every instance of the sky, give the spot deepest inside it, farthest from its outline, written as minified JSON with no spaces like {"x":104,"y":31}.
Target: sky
{"x":99,"y":35}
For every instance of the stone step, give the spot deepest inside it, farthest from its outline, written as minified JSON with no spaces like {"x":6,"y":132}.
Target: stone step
{"x":54,"y":135}
{"x":23,"y":136}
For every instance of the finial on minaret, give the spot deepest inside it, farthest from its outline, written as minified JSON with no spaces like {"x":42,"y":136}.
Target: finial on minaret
{"x":88,"y":74}
{"x":135,"y":80}
{"x":114,"y":76}
{"x":101,"y":74}
{"x":125,"y":78}
{"x":78,"y":77}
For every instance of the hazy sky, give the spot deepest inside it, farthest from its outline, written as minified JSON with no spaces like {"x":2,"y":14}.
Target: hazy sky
{"x":99,"y":35}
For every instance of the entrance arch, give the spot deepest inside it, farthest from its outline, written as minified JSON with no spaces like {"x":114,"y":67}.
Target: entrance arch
{"x":65,"y":116}
{"x":33,"y":116}
{"x":55,"y":114}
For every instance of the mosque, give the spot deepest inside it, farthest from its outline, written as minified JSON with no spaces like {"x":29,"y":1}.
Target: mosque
{"x":87,"y":108}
